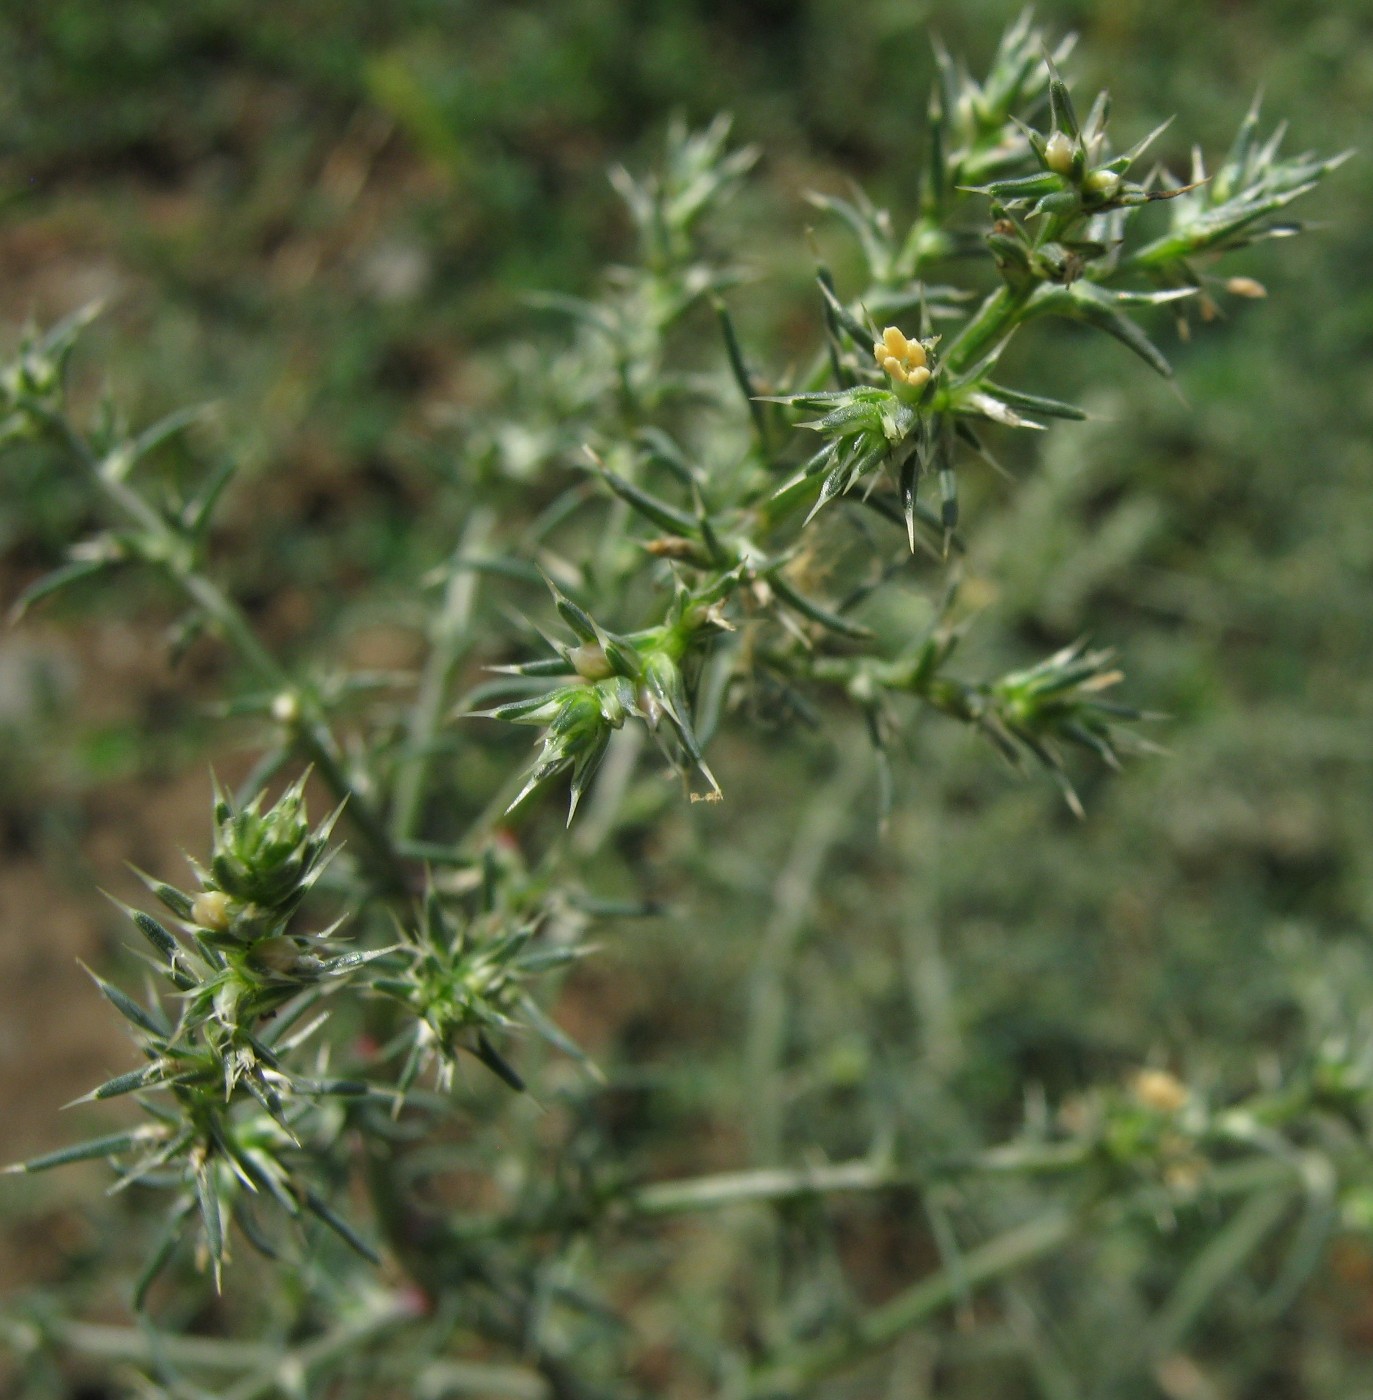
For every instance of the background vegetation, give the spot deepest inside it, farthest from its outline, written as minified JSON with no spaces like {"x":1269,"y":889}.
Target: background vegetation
{"x":327,"y":218}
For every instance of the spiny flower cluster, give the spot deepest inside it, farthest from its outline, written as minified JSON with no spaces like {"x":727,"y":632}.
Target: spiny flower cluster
{"x":243,"y":980}
{"x":236,"y":1123}
{"x":32,"y":384}
{"x":1061,"y":700}
{"x":1076,"y":175}
{"x":619,"y":677}
{"x":1242,"y":203}
{"x":1026,"y":714}
{"x":462,"y":982}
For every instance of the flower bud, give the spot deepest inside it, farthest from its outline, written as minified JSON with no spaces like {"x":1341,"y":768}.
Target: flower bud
{"x":1246,"y":287}
{"x":268,"y":858}
{"x":1059,"y":151}
{"x":1159,"y":1090}
{"x":589,"y":661}
{"x":210,"y":910}
{"x":286,"y":708}
{"x":278,"y":954}
{"x":1103,"y":182}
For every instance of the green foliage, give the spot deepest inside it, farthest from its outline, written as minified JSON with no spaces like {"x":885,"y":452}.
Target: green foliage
{"x":714,"y":576}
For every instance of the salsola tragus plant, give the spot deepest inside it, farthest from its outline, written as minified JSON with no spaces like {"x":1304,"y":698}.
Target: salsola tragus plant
{"x":716,"y":540}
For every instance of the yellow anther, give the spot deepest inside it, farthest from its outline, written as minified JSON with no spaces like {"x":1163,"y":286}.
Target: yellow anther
{"x":901,"y":358}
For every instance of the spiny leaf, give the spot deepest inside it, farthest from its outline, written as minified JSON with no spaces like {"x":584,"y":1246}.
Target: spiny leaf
{"x":666,"y":517}
{"x":1060,"y":101}
{"x":1021,"y":188}
{"x":993,"y":407}
{"x":584,"y":768}
{"x":253,"y":1232}
{"x":200,"y":508}
{"x":53,"y":582}
{"x":843,"y":318}
{"x":909,"y":485}
{"x":497,"y":1063}
{"x":63,"y":335}
{"x":167,"y":1242}
{"x":109,"y":1146}
{"x":557,"y":1037}
{"x":167,"y":427}
{"x":1035,"y":403}
{"x":123,"y":1084}
{"x":739,"y":370}
{"x":207,"y":1198}
{"x":667,"y":453}
{"x":1123,"y":162}
{"x":1087,"y":302}
{"x":321,"y":1210}
{"x":172,"y":898}
{"x":129,"y":1009}
{"x":571,"y":613}
{"x":815,"y":612}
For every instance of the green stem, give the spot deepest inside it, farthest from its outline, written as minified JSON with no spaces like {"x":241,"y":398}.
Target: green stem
{"x":263,"y":1366}
{"x":793,"y":902}
{"x":994,"y":320}
{"x":1002,"y":1255}
{"x":763,"y":1187}
{"x":775,"y":1186}
{"x":778,"y":1185}
{"x":227,"y":617}
{"x":775,"y":509}
{"x":449,"y":639}
{"x":1013,"y":1250}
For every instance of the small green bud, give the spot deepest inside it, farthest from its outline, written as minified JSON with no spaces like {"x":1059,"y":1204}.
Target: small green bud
{"x":1103,"y":182}
{"x":590,"y":662}
{"x":286,"y":708}
{"x":210,"y":910}
{"x":1059,"y":151}
{"x":279,"y":955}
{"x":267,"y":858}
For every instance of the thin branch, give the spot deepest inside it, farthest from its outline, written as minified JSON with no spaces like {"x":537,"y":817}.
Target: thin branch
{"x":450,"y":636}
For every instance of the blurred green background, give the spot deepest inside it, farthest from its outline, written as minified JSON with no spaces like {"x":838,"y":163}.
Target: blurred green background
{"x":324,"y":215}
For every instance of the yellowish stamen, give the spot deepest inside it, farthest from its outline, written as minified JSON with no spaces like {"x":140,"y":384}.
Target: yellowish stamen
{"x":904,"y":360}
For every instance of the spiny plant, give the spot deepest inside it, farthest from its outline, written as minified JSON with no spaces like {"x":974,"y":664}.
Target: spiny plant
{"x":704,"y":557}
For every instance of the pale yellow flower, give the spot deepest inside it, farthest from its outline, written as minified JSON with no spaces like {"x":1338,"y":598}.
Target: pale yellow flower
{"x":903,"y":359}
{"x":1159,"y":1090}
